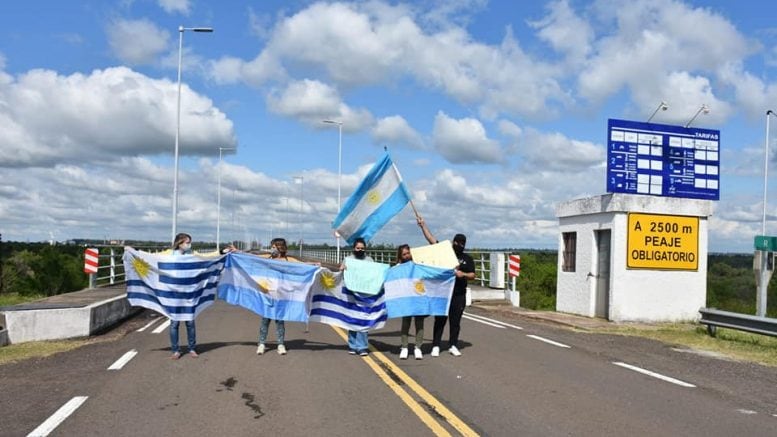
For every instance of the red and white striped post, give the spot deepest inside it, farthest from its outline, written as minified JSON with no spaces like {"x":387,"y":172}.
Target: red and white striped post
{"x":91,"y":261}
{"x":514,"y":270}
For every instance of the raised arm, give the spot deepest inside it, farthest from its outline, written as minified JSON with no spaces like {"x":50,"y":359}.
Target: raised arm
{"x":428,"y":235}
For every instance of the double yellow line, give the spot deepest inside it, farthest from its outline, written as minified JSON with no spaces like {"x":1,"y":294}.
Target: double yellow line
{"x":382,"y":369}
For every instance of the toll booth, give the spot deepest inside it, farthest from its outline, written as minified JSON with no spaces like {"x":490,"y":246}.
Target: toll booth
{"x":626,"y":257}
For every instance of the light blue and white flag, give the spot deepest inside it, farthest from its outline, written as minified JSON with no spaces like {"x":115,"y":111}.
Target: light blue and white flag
{"x":177,"y":286}
{"x":277,"y":290}
{"x":380,"y":196}
{"x":365,"y":277}
{"x":333,"y":304}
{"x":418,"y":290}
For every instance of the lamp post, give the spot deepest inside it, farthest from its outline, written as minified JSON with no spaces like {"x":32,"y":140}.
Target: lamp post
{"x":766,"y":169}
{"x":663,"y":106}
{"x":218,"y":208}
{"x":181,"y":30}
{"x":301,"y":202}
{"x":703,"y":108}
{"x":339,"y":171}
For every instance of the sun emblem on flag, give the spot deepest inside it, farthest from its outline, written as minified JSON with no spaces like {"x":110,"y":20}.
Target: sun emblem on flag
{"x":327,"y":280}
{"x":419,"y":287}
{"x":141,"y":267}
{"x":373,"y":197}
{"x":264,"y":285}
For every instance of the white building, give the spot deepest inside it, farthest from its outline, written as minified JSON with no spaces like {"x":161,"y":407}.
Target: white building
{"x":628,"y":257}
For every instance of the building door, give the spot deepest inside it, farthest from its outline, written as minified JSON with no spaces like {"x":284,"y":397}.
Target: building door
{"x":602,"y":273}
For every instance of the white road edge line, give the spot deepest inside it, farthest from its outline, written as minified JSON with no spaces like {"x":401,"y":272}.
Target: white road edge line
{"x":148,"y":324}
{"x":55,"y":419}
{"x":554,"y":343}
{"x":654,"y":374}
{"x":123,"y":360}
{"x":468,"y":317}
{"x":161,"y":327}
{"x":498,"y":322}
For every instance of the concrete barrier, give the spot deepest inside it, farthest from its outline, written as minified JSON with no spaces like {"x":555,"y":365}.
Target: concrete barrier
{"x":60,"y":323}
{"x":3,"y":331}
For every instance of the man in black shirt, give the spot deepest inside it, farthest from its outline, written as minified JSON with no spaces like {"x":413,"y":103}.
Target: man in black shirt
{"x":464,"y":271}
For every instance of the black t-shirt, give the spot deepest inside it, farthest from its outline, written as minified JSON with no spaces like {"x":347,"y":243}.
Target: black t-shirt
{"x":466,"y":265}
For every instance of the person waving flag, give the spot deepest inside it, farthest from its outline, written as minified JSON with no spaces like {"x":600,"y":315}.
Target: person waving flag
{"x":379,"y":197}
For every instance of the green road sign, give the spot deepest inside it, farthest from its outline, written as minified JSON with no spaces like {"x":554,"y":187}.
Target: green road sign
{"x":765,"y":243}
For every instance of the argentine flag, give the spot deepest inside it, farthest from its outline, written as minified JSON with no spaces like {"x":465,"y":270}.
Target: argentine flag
{"x":418,"y":290}
{"x":177,"y":286}
{"x":332,"y":303}
{"x":378,"y":198}
{"x":277,"y":290}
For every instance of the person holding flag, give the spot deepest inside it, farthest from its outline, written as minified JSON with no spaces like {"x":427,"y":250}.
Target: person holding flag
{"x":403,"y":256}
{"x":464,"y":271}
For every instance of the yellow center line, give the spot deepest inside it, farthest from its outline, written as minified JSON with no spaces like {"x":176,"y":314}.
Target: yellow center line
{"x":420,"y":411}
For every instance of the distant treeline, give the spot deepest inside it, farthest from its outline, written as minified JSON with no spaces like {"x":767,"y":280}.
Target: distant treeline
{"x":42,"y":269}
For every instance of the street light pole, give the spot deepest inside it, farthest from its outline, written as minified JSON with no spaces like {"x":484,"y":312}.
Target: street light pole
{"x":181,"y":30}
{"x":703,"y":108}
{"x":218,"y":208}
{"x":301,"y":202}
{"x":339,"y":172}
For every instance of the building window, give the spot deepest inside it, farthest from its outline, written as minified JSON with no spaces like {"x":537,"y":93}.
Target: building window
{"x":570,"y":251}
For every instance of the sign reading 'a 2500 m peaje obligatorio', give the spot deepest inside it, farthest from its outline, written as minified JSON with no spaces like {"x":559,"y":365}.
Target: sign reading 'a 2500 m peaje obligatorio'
{"x":663,"y":242}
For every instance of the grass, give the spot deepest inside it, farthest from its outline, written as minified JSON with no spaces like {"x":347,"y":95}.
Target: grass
{"x":733,"y":344}
{"x":37,"y":349}
{"x":7,"y":299}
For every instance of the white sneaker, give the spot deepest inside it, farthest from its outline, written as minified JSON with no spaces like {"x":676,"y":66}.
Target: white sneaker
{"x":436,"y":351}
{"x":281,"y":349}
{"x":260,"y":349}
{"x":403,"y":353}
{"x":454,"y":351}
{"x":418,"y":354}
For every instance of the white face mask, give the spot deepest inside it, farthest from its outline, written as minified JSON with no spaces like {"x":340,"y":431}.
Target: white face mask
{"x":185,"y":247}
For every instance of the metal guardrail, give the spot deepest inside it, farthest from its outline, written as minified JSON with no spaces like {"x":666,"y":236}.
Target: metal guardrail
{"x":744,"y":322}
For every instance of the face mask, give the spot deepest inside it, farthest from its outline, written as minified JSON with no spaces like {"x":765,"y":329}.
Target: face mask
{"x":458,"y":249}
{"x":185,"y":247}
{"x":274,"y":252}
{"x":359,"y":254}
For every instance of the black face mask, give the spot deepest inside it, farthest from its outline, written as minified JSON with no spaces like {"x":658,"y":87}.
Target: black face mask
{"x":359,"y":254}
{"x":459,"y":250}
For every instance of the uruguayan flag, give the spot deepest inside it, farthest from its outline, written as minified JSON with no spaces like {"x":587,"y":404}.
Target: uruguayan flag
{"x":378,"y":198}
{"x":274,"y":289}
{"x":333,"y":304}
{"x":418,"y":290}
{"x":177,"y":286}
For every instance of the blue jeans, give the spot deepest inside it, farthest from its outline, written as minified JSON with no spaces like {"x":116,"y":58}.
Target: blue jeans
{"x":191,"y":335}
{"x":357,"y":341}
{"x":280,"y":330}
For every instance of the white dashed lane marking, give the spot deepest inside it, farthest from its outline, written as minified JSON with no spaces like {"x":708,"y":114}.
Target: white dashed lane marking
{"x":148,"y":324}
{"x":121,"y":362}
{"x":52,"y":422}
{"x":554,"y":343}
{"x":498,"y":322}
{"x":654,"y":374}
{"x":468,"y":317}
{"x":161,"y":327}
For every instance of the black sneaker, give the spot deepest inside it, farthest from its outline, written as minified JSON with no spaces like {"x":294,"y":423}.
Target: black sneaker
{"x":363,"y":353}
{"x":351,"y":352}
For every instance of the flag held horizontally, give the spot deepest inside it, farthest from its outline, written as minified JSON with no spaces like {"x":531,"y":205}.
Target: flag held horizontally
{"x":379,"y":197}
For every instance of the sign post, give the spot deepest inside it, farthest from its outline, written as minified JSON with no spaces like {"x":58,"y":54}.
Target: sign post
{"x":91,"y":261}
{"x":513,"y":270}
{"x":763,"y":267}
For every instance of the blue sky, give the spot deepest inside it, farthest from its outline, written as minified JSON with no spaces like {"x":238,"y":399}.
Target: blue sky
{"x":494,"y":112}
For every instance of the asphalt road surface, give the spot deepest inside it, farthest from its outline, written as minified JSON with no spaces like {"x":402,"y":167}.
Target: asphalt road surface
{"x":516,"y":377}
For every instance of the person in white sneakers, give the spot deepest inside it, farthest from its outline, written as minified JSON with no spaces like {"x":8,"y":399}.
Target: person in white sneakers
{"x":403,"y":256}
{"x":279,"y":253}
{"x":464,"y":271}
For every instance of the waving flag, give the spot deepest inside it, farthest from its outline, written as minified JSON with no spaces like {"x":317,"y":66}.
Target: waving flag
{"x":274,"y":289}
{"x":177,"y":286}
{"x":378,"y":198}
{"x":333,"y":304}
{"x":418,"y":290}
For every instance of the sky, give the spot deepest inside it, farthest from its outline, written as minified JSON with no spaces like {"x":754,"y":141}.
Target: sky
{"x":495,"y":112}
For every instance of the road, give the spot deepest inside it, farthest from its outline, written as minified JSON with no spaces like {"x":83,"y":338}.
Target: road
{"x":516,"y":377}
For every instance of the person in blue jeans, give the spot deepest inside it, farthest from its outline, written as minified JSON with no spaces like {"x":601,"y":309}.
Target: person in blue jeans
{"x":358,"y":342}
{"x":183,"y":246}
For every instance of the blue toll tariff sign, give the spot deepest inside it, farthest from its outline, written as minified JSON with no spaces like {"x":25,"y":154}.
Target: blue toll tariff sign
{"x":663,"y":160}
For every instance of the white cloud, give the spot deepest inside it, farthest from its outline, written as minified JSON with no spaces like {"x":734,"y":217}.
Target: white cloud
{"x":180,"y":6}
{"x":312,"y":101}
{"x":566,"y":32}
{"x":395,"y":130}
{"x":464,"y":141}
{"x":51,"y":119}
{"x":137,"y":41}
{"x":558,"y":153}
